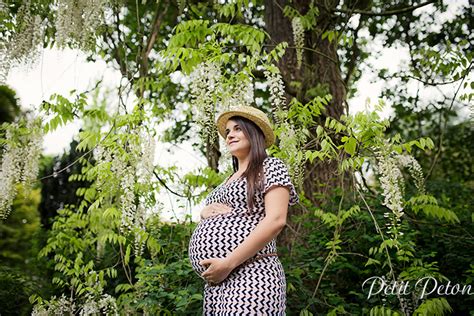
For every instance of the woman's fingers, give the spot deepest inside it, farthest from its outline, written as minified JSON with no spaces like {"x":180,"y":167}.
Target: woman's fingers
{"x":219,"y":208}
{"x":223,"y":208}
{"x":214,"y":209}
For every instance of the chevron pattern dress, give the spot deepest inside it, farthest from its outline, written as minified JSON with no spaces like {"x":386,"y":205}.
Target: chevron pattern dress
{"x":254,"y":288}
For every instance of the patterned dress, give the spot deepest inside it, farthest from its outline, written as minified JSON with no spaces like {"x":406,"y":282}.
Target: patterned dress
{"x":255,"y":288}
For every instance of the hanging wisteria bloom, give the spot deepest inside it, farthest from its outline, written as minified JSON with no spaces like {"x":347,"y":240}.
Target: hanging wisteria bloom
{"x":95,"y":304}
{"x":103,"y":157}
{"x":277,"y":94}
{"x":127,"y":197}
{"x":292,"y":139}
{"x":140,"y":225}
{"x":55,"y":306}
{"x":241,"y":93}
{"x":145,"y":156}
{"x":392,"y":183}
{"x":77,"y":21}
{"x":205,"y":79}
{"x":415,"y":170}
{"x":19,"y":165}
{"x":24,"y":45}
{"x":393,"y":187}
{"x":123,"y":174}
{"x":298,"y":38}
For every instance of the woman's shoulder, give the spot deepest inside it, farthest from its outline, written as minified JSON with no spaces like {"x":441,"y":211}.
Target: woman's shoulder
{"x":273,"y":161}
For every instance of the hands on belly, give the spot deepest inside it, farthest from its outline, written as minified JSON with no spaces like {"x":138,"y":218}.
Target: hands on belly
{"x":218,"y":269}
{"x":215,"y":209}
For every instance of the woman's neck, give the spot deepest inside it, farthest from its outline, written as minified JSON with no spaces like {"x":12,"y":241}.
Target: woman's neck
{"x":243,"y":163}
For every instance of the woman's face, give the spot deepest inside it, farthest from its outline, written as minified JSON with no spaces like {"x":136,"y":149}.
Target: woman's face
{"x":237,"y":142}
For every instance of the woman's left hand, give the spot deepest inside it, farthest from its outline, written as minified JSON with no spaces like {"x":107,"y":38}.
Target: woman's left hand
{"x":218,"y":269}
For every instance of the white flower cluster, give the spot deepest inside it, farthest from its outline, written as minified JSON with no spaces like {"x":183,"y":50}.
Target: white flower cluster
{"x":127,"y":171}
{"x":209,"y":90}
{"x":55,"y":306}
{"x":291,"y":137}
{"x":205,"y":80}
{"x":292,"y":140}
{"x":24,"y":45}
{"x":393,"y":187}
{"x":96,"y":302}
{"x":415,"y":170}
{"x":298,"y":38}
{"x":241,"y":93}
{"x":78,"y":21}
{"x":145,"y":153}
{"x":139,"y":242}
{"x":146,"y":156}
{"x":75,"y":20}
{"x":105,"y":305}
{"x":90,"y":307}
{"x":392,"y":183}
{"x":127,"y":196}
{"x":121,"y":178}
{"x":277,"y":93}
{"x":19,"y":163}
{"x":3,"y":7}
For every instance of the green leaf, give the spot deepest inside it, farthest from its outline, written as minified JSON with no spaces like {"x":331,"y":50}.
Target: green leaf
{"x":350,"y":146}
{"x":126,"y":258}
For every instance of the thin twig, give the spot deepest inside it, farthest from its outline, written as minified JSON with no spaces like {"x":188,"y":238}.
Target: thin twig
{"x":438,"y":153}
{"x":54,"y":174}
{"x":389,"y":12}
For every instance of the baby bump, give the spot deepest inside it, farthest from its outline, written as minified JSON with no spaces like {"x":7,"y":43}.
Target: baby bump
{"x":215,"y":237}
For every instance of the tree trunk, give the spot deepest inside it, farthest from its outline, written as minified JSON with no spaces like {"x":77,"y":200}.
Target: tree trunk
{"x":213,"y":153}
{"x":320,"y":68}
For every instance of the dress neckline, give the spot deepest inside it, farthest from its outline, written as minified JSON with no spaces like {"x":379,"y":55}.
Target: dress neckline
{"x":227,"y":183}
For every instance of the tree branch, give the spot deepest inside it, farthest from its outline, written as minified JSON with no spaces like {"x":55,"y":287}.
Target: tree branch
{"x":354,"y":54}
{"x":167,"y":188}
{"x":155,"y":29}
{"x":423,"y":81}
{"x":386,"y":13}
{"x":438,"y":153}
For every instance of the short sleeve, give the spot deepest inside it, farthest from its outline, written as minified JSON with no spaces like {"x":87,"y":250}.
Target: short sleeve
{"x":276,"y":174}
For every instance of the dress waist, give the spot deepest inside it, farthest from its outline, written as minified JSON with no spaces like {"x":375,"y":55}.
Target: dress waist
{"x":250,"y":260}
{"x":257,"y":257}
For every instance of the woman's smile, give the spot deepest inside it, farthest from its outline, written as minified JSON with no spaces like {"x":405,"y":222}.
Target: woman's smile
{"x":235,"y":135}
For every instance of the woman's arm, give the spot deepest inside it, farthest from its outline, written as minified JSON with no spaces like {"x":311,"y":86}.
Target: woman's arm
{"x":276,"y":208}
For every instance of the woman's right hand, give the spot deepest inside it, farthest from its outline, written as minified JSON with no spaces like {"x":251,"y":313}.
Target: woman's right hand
{"x":215,"y":209}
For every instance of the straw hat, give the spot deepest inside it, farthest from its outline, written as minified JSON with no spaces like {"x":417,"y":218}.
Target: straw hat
{"x":251,"y":113}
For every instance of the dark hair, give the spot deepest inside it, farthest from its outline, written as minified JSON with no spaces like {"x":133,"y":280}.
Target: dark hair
{"x":254,"y":171}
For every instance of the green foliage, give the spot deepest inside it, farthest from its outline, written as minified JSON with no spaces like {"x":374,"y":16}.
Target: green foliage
{"x":91,"y":251}
{"x":167,"y":283}
{"x":429,"y":206}
{"x":434,"y":306}
{"x":9,"y":107}
{"x":383,"y":311}
{"x":18,"y":230}
{"x":450,"y":64}
{"x":195,"y":41}
{"x":15,"y":287}
{"x":19,"y":271}
{"x":400,"y":257}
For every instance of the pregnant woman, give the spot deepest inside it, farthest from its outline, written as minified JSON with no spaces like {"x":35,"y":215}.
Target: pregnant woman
{"x":233,"y":247}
